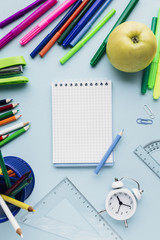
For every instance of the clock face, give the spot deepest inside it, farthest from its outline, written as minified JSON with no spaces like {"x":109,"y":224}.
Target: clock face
{"x":121,"y":204}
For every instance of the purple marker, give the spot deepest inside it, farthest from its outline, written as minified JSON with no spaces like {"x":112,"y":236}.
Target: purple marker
{"x":20,"y":13}
{"x":27,"y":22}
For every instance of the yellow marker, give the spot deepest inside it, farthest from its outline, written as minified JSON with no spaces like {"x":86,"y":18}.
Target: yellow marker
{"x":156,"y":91}
{"x":17,"y":203}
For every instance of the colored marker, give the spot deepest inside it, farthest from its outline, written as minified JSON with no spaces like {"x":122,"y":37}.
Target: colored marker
{"x":81,"y":43}
{"x":102,"y":49}
{"x":109,"y":151}
{"x":57,"y":27}
{"x":62,"y":29}
{"x":27,"y":22}
{"x":20,"y":13}
{"x":46,"y":21}
{"x":89,"y":24}
{"x":82,"y":22}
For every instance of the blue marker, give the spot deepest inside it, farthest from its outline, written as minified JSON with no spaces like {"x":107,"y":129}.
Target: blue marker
{"x":109,"y":151}
{"x":57,"y":27}
{"x":82,"y":22}
{"x":89,"y":24}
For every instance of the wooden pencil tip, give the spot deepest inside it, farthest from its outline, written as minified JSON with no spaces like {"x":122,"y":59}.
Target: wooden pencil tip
{"x":19,"y":232}
{"x":31,"y":209}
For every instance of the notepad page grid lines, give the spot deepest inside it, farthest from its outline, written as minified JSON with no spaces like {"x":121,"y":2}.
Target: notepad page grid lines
{"x":82,"y":121}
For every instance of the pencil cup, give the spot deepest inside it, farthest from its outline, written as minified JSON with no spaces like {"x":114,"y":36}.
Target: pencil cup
{"x":19,"y":167}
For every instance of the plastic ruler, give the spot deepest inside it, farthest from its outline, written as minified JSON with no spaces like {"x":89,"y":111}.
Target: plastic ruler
{"x":146,"y":154}
{"x":94,"y":226}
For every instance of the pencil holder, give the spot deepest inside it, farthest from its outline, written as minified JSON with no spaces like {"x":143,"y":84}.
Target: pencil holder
{"x":19,"y":167}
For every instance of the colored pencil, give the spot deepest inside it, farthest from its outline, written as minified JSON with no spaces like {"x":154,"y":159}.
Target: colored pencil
{"x":17,"y":183}
{"x":14,"y":135}
{"x":9,"y":120}
{"x":8,"y":107}
{"x":8,"y":114}
{"x":17,"y":203}
{"x":13,"y":128}
{"x":4,"y":171}
{"x":109,"y":151}
{"x":5,"y":101}
{"x":21,"y":186}
{"x":10,"y":217}
{"x":62,"y":29}
{"x":3,"y":137}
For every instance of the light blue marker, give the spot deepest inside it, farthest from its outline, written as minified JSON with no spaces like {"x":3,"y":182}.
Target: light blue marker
{"x":89,"y":24}
{"x":109,"y":151}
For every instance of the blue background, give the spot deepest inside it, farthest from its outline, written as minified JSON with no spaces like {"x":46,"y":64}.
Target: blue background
{"x":34,"y":100}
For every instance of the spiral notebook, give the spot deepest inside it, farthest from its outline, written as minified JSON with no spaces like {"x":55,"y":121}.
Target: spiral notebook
{"x":81,"y":122}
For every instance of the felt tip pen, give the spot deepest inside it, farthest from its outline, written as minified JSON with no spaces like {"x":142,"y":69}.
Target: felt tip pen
{"x":46,"y":21}
{"x":89,"y":24}
{"x":20,"y":13}
{"x":57,"y":27}
{"x":102,"y":49}
{"x":81,"y":43}
{"x":82,"y":22}
{"x":59,"y":33}
{"x":27,"y":22}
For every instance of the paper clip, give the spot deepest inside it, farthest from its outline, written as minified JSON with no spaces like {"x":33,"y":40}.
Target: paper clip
{"x":149,"y":111}
{"x":144,"y":121}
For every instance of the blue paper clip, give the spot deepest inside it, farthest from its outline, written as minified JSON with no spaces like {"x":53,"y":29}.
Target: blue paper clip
{"x":144,"y":121}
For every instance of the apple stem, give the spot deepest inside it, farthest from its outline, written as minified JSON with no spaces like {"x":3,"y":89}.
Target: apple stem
{"x":135,"y":39}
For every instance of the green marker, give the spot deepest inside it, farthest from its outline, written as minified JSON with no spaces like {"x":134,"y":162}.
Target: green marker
{"x":146,"y":71}
{"x":81,"y":43}
{"x":4,"y":171}
{"x":8,"y":114}
{"x":154,"y":64}
{"x":102,"y":49}
{"x":14,"y":135}
{"x":13,"y":80}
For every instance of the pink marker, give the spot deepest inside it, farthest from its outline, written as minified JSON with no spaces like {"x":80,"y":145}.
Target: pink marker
{"x":46,"y":21}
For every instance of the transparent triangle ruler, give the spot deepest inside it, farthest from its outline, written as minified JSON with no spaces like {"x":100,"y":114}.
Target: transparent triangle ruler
{"x":66,"y":213}
{"x":149,"y":154}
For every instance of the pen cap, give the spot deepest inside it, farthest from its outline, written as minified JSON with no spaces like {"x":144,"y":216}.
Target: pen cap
{"x":19,"y":167}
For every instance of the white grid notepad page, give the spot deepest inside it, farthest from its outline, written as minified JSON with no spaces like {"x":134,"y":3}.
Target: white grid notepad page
{"x":81,"y":122}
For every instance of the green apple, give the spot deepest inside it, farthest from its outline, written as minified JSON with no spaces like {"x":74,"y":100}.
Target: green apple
{"x":131,"y":46}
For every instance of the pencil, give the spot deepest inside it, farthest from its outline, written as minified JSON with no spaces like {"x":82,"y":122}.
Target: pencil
{"x":4,"y":171}
{"x":17,"y":203}
{"x":13,"y":128}
{"x":109,"y":151}
{"x":8,"y":114}
{"x":102,"y":49}
{"x":9,"y":120}
{"x":17,"y":183}
{"x":21,"y":186}
{"x":11,"y":217}
{"x":5,"y":101}
{"x":8,"y":107}
{"x":3,"y":137}
{"x":14,"y":135}
{"x":62,"y":29}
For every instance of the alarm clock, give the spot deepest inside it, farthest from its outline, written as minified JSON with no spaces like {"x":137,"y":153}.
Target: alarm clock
{"x":121,"y":202}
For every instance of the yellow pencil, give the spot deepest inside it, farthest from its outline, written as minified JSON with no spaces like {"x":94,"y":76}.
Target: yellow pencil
{"x":156,"y":91}
{"x":17,"y":203}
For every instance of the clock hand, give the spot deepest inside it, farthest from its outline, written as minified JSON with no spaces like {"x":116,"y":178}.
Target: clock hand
{"x":118,"y":209}
{"x":126,"y":205}
{"x":120,"y":203}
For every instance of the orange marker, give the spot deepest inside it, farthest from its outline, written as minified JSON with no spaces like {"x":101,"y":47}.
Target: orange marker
{"x":62,"y":29}
{"x":10,"y":119}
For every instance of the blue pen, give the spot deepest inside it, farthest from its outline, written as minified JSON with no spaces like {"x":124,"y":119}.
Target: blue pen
{"x":109,"y":151}
{"x":89,"y":24}
{"x":57,"y":27}
{"x":82,"y":22}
